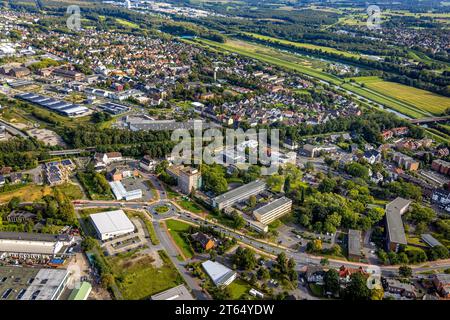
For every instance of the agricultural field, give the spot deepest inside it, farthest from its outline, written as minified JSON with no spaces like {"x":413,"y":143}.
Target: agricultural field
{"x":303,"y":45}
{"x":423,"y":101}
{"x":127,"y":23}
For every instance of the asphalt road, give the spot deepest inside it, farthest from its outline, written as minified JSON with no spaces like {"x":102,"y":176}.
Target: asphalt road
{"x":13,"y":130}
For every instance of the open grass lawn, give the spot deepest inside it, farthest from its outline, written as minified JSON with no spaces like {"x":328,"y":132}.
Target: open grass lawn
{"x":138,"y":279}
{"x":303,"y":45}
{"x":27,"y":193}
{"x":238,"y":288}
{"x":176,"y":228}
{"x":189,"y":205}
{"x":162,"y":209}
{"x":72,"y":191}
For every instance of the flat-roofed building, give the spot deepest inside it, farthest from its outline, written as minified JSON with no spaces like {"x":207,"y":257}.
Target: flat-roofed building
{"x":47,"y":285}
{"x":122,"y":194}
{"x":241,"y":193}
{"x":25,"y":283}
{"x":177,"y":293}
{"x":395,"y":232}
{"x":29,"y":245}
{"x":273,"y":210}
{"x":354,"y":244}
{"x":219,"y":274}
{"x":111,"y":224}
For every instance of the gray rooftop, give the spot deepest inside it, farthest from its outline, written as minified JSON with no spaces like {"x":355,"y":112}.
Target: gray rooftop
{"x":272,"y":205}
{"x":430,"y":240}
{"x":177,"y":293}
{"x":31,"y":236}
{"x":394,"y":221}
{"x":238,"y":191}
{"x":354,"y":242}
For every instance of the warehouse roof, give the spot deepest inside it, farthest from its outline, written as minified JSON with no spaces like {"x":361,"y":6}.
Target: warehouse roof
{"x":178,"y":293}
{"x":46,"y":285}
{"x":32,"y":236}
{"x":218,"y":273}
{"x":240,"y":190}
{"x":111,"y":221}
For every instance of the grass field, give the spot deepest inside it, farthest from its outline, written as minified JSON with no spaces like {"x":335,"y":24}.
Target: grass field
{"x":190,"y":206}
{"x":127,"y":23}
{"x":422,"y":100}
{"x":27,"y":193}
{"x":138,"y":279}
{"x":72,"y":191}
{"x":303,"y":45}
{"x":162,"y":209}
{"x":238,"y":288}
{"x":272,"y":56}
{"x":176,"y":228}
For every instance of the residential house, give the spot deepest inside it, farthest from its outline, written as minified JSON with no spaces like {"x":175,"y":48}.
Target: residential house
{"x":21,"y":216}
{"x":206,"y":241}
{"x":147,"y":163}
{"x":441,"y":282}
{"x":404,"y":289}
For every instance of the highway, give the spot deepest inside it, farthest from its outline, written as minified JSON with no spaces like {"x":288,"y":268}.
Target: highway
{"x":13,"y":130}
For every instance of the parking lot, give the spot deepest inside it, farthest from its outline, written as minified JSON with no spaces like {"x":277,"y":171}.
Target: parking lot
{"x":138,"y":183}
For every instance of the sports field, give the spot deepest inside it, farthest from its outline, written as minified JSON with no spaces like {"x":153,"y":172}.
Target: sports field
{"x":422,"y":100}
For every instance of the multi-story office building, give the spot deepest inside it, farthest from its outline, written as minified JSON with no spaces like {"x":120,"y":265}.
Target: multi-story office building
{"x":273,"y":210}
{"x":395,"y":232}
{"x":188,"y":178}
{"x":241,"y":193}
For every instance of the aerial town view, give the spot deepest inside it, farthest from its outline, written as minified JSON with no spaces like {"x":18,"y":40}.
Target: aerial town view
{"x":224,"y":150}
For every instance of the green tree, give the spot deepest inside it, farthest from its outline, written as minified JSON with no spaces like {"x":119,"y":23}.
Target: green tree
{"x":357,"y":288}
{"x":405,"y":271}
{"x":331,"y":280}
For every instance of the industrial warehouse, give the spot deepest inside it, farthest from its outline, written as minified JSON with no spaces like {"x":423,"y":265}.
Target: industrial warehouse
{"x":59,"y":106}
{"x":33,"y":245}
{"x":111,"y":224}
{"x":22,"y":283}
